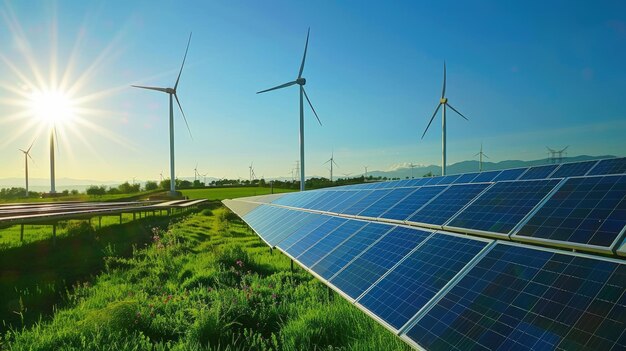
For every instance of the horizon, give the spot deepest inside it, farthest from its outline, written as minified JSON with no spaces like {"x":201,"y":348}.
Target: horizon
{"x":374,"y":81}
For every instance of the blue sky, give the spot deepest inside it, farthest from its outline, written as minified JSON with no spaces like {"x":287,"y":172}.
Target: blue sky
{"x":527,"y":75}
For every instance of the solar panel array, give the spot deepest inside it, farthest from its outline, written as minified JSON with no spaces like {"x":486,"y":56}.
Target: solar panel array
{"x":400,"y":251}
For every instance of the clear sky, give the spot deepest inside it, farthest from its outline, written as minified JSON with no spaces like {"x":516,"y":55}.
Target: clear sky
{"x":527,"y":74}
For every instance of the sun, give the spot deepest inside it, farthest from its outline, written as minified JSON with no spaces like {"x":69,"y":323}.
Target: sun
{"x":52,"y":107}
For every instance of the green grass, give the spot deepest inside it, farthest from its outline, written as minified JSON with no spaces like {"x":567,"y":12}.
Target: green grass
{"x":204,"y":283}
{"x":229,"y":193}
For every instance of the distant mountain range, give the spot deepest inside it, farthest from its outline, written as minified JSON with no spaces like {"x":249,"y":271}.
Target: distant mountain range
{"x":472,"y":166}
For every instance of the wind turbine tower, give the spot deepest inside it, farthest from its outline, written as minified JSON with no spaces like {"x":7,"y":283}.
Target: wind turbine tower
{"x":251,"y":170}
{"x":481,"y":154}
{"x":301,"y":82}
{"x":331,"y":161}
{"x":172,"y":95}
{"x":26,"y":156}
{"x":443,"y":101}
{"x":365,"y":175}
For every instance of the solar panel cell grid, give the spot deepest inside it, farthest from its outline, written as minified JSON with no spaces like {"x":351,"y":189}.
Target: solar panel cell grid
{"x":610,"y":166}
{"x":587,"y":211}
{"x":522,"y":298}
{"x":465,"y":178}
{"x":364,"y":271}
{"x":446,"y":204}
{"x":314,"y":236}
{"x":350,"y":201}
{"x":344,"y":253}
{"x":282,"y":229}
{"x":329,"y":242}
{"x":365,"y":202}
{"x":509,"y":174}
{"x":503,"y":206}
{"x":573,"y":169}
{"x":386,"y":202}
{"x":398,"y":296}
{"x":403,"y":209}
{"x":539,"y":172}
{"x":301,"y":232}
{"x":486,"y":176}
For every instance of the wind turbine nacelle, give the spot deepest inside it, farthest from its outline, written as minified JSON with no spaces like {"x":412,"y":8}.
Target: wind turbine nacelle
{"x":443,"y":100}
{"x":170,"y":91}
{"x":301,"y":81}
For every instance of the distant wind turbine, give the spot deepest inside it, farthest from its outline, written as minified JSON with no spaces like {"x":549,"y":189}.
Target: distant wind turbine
{"x":26,"y":156}
{"x":365,"y":171}
{"x":443,"y":101}
{"x":331,"y":160}
{"x":172,"y":94}
{"x":301,"y":82}
{"x":251,"y":169}
{"x":195,"y":173}
{"x":161,"y":174}
{"x":481,"y":154}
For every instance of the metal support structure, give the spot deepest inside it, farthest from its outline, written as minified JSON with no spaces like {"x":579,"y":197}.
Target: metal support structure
{"x":443,"y":140}
{"x":172,"y":175}
{"x":52,"y":183}
{"x":301,"y":139}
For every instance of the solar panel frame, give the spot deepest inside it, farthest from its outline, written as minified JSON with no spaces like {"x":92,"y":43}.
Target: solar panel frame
{"x":403,"y":334}
{"x":349,"y":202}
{"x":604,"y":167}
{"x":572,"y":169}
{"x":510,"y":174}
{"x":448,"y":225}
{"x":364,"y":203}
{"x":486,"y":176}
{"x":387,"y":215}
{"x":539,"y":172}
{"x":515,"y":234}
{"x":387,"y":201}
{"x":466,"y":178}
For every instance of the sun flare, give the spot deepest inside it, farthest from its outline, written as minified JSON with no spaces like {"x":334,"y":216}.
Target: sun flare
{"x":53,"y":107}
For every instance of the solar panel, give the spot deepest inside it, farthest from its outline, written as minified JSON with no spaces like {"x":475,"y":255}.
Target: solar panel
{"x":365,"y":270}
{"x":444,"y":180}
{"x":402,"y":183}
{"x":521,"y":298}
{"x":350,"y":201}
{"x":418,"y":181}
{"x":446,"y":204}
{"x":465,"y":178}
{"x":301,"y":232}
{"x":583,"y":212}
{"x":610,"y":166}
{"x":509,"y":174}
{"x":407,"y":288}
{"x":365,"y":202}
{"x":622,"y":249}
{"x":386,"y":202}
{"x":281,"y":229}
{"x":344,"y":253}
{"x":573,"y":169}
{"x":538,"y":172}
{"x":313,"y":236}
{"x":486,"y":176}
{"x":340,"y":196}
{"x":403,"y":209}
{"x":499,"y":209}
{"x":329,"y":242}
{"x":325,"y":198}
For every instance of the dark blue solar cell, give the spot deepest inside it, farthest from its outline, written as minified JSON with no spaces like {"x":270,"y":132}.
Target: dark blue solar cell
{"x":518,"y":298}
{"x":610,"y":166}
{"x":330,"y":242}
{"x":588,"y":211}
{"x":449,"y":202}
{"x":306,"y":229}
{"x":407,"y":288}
{"x":573,"y":169}
{"x":344,"y":253}
{"x":486,"y":176}
{"x":386,"y":202}
{"x":403,"y":209}
{"x":282,"y":229}
{"x":367,"y":201}
{"x":402,"y":183}
{"x":268,"y":216}
{"x":340,"y":196}
{"x":432,"y":180}
{"x":417,"y":182}
{"x":465,"y":178}
{"x":350,"y":201}
{"x":328,"y":197}
{"x":296,"y":199}
{"x":314,"y":236}
{"x":365,"y":270}
{"x":381,"y":185}
{"x":538,"y":172}
{"x":509,"y":174}
{"x":501,"y":207}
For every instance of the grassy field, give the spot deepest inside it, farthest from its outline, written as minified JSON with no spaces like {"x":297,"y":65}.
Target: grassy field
{"x":203,"y":283}
{"x":84,"y":197}
{"x":229,"y":193}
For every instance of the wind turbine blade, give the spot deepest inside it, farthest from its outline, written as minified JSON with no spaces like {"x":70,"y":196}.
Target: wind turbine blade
{"x":443,"y":91}
{"x":431,"y":120}
{"x":485,"y":156}
{"x":150,"y":88}
{"x":277,"y":87}
{"x":335,"y":163}
{"x":184,"y":118}
{"x":326,"y":162}
{"x":31,"y":158}
{"x":181,"y":66}
{"x":31,"y":145}
{"x":460,"y":114}
{"x":304,"y":56}
{"x":478,"y":153}
{"x":23,"y":151}
{"x":310,"y":104}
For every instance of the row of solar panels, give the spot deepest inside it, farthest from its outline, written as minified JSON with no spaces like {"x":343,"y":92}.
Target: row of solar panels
{"x":445,"y":291}
{"x":586,"y":213}
{"x":563,"y":170}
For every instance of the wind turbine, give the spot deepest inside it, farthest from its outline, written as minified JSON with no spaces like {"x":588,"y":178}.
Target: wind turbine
{"x":332,"y":161}
{"x":251,"y":169}
{"x":195,"y":173}
{"x":365,"y":175}
{"x":481,"y":154}
{"x":301,"y":82}
{"x":172,"y":94}
{"x":443,"y":101}
{"x":161,"y":174}
{"x":26,"y":156}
